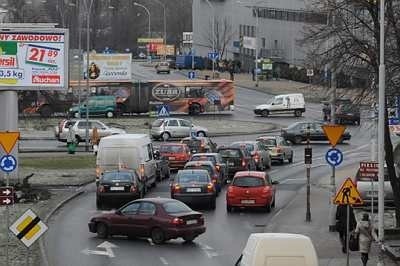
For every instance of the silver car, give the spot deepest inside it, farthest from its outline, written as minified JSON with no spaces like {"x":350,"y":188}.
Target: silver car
{"x":175,"y":128}
{"x":79,"y":127}
{"x":279,"y":149}
{"x":258,"y":151}
{"x":163,"y":67}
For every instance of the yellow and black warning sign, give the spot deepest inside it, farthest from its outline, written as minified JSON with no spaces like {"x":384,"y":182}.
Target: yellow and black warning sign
{"x":348,"y":194}
{"x":28,"y":228}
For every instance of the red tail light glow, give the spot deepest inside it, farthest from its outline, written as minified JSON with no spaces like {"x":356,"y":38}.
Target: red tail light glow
{"x":177,"y":221}
{"x":243,"y":163}
{"x":265,"y":192}
{"x":176,"y":188}
{"x":256,"y":157}
{"x":101,"y":189}
{"x":210,"y":187}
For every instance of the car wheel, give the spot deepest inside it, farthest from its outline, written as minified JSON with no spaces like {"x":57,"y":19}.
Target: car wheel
{"x":109,"y":114}
{"x":229,"y":208}
{"x":157,"y":236}
{"x":201,"y":134}
{"x":298,"y":139}
{"x":291,"y":158}
{"x":189,"y":238}
{"x":297,"y":113}
{"x":273,"y":203}
{"x":268,"y":207}
{"x":264,"y":113}
{"x":213,"y":204}
{"x":165,"y":136}
{"x":102,"y":230}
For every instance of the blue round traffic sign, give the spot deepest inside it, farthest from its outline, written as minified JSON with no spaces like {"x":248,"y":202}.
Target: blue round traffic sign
{"x":334,"y":157}
{"x":8,"y":163}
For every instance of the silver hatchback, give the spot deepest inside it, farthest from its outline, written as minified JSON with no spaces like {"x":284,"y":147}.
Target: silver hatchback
{"x":175,"y":128}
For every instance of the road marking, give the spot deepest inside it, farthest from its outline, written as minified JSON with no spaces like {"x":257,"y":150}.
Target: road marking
{"x":105,"y":245}
{"x":164,"y":261}
{"x":150,"y":241}
{"x":210,"y":252}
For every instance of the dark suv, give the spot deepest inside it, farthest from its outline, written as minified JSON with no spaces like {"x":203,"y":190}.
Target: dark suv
{"x":236,"y":159}
{"x":346,"y":112}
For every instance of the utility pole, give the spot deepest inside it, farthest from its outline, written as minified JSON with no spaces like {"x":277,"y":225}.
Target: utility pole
{"x":256,"y":76}
{"x":213,"y":36}
{"x":308,"y":162}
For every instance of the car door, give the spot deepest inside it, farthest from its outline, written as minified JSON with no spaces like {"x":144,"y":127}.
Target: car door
{"x":81,"y":129}
{"x":173,"y":127}
{"x":150,"y":164}
{"x":277,"y":104}
{"x":123,"y":223}
{"x":264,"y":153}
{"x":184,"y":128}
{"x":318,"y":131}
{"x":145,"y":218}
{"x":285,"y":146}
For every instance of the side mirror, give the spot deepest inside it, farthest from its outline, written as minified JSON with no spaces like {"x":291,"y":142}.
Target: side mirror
{"x":275,"y":182}
{"x":118,"y":212}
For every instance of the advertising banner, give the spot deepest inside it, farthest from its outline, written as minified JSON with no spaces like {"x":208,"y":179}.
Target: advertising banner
{"x":34,"y":59}
{"x":249,"y":42}
{"x":165,"y":49}
{"x":109,"y":67}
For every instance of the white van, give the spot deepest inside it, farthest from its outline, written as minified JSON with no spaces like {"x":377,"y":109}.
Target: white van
{"x":280,"y":104}
{"x":127,"y":151}
{"x":278,"y":249}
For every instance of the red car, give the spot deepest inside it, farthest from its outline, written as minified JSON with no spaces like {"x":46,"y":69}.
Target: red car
{"x":160,"y":219}
{"x":177,"y":154}
{"x":251,"y":189}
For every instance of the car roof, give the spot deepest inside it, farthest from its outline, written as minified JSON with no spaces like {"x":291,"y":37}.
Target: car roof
{"x":173,"y":144}
{"x":118,"y":171}
{"x":199,"y":138}
{"x":244,"y":142}
{"x":250,"y":173}
{"x":206,"y":154}
{"x":268,"y":137}
{"x":199,"y":163}
{"x":156,"y":200}
{"x":193,"y":171}
{"x":229,"y":148}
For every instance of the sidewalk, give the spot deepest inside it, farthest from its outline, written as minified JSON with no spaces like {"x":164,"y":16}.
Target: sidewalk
{"x":292,"y":220}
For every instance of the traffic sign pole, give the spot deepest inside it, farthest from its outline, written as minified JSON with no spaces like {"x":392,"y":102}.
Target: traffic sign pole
{"x":308,"y":173}
{"x":7,"y":221}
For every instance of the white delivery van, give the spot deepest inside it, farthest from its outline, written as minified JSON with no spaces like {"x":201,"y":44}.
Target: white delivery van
{"x":127,"y":151}
{"x":281,"y":104}
{"x":278,"y":249}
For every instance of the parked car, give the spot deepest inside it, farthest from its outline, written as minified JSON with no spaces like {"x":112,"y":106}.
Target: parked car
{"x":160,"y":219}
{"x":279,"y":148}
{"x":297,"y":132}
{"x":236,"y":159}
{"x":175,"y":128}
{"x":200,"y":144}
{"x":119,"y":186}
{"x":251,"y":189}
{"x":281,"y":104}
{"x":194,"y":187}
{"x":97,"y":106}
{"x":79,"y":128}
{"x":177,"y":154}
{"x":215,"y":158}
{"x":258,"y":151}
{"x":212,"y":171}
{"x":163,"y":67}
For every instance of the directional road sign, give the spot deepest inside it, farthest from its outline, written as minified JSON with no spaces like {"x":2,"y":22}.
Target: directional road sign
{"x":163,"y":111}
{"x":28,"y":228}
{"x":6,"y":195}
{"x":348,"y":194}
{"x":334,"y":157}
{"x":8,"y":163}
{"x":191,"y":75}
{"x":213,"y":56}
{"x":333,"y":133}
{"x":8,"y":140}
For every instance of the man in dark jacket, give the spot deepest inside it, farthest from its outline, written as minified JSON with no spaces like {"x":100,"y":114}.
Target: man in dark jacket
{"x":341,"y":223}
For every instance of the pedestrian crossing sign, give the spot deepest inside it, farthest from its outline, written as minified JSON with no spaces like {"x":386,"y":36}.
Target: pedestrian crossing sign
{"x":163,"y":111}
{"x":348,"y":194}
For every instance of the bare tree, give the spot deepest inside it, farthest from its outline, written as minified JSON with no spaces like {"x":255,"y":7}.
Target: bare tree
{"x":350,"y":42}
{"x":223,"y":35}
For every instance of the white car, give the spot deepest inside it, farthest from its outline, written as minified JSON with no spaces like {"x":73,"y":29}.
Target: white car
{"x":79,"y":127}
{"x":175,"y":128}
{"x":281,"y":104}
{"x":163,"y":67}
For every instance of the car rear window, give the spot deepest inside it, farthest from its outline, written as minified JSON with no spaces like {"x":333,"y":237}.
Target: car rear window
{"x":232,"y":153}
{"x":248,"y":146}
{"x":192,"y":142}
{"x":157,"y":123}
{"x":204,"y":158}
{"x":172,"y":148}
{"x":269,"y":142}
{"x":120,"y":176}
{"x":248,"y":181}
{"x":175,"y":207}
{"x":192,"y":178}
{"x":203,"y":167}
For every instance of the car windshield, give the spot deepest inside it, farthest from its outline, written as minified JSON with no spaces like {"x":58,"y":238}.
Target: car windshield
{"x":192,"y":142}
{"x":114,"y":176}
{"x":204,"y":158}
{"x":192,"y":178}
{"x":157,"y":123}
{"x":175,"y":207}
{"x":269,"y":142}
{"x":232,"y":153}
{"x":248,"y":146}
{"x":248,"y":181}
{"x":203,"y":166}
{"x":171,"y":148}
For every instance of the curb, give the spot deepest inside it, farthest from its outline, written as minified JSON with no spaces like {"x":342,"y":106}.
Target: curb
{"x":43,"y":254}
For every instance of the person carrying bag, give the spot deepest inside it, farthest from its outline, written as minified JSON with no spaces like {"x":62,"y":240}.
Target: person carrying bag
{"x":366,"y":235}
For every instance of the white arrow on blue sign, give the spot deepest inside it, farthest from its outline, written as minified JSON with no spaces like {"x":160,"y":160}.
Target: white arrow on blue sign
{"x":8,"y":163}
{"x":213,"y":55}
{"x":191,"y":75}
{"x":334,"y":157}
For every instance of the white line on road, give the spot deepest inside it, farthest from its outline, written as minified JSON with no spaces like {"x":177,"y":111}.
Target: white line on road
{"x":150,"y":241}
{"x":164,"y":261}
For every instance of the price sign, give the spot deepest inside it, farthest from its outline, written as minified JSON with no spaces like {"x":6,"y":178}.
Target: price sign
{"x":42,"y":55}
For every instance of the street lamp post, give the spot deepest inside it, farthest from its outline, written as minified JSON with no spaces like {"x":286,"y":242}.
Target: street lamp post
{"x":149,"y":25}
{"x":213,"y":35}
{"x":165,"y":27}
{"x":88,"y":10}
{"x":256,"y":30}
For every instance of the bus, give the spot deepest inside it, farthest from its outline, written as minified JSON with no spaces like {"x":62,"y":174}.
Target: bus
{"x":191,"y":97}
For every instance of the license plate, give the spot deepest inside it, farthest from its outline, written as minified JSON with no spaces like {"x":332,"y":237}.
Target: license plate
{"x":117,"y":188}
{"x":193,"y":189}
{"x":191,"y":222}
{"x":248,"y":201}
{"x":372,"y":193}
{"x":171,"y":158}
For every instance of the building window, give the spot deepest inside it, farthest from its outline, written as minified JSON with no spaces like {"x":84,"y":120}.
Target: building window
{"x":291,"y":15}
{"x":275,"y":44}
{"x":263,"y":42}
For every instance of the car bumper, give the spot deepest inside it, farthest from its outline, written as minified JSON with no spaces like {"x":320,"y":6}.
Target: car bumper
{"x":232,"y":170}
{"x":238,"y":202}
{"x":115,"y":196}
{"x":277,"y":156}
{"x":182,"y":232}
{"x":92,"y":227}
{"x":195,"y":199}
{"x":177,"y":164}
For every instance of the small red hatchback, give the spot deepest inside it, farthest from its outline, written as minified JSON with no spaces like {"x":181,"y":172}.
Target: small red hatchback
{"x":251,"y":189}
{"x":177,"y":154}
{"x":160,"y":219}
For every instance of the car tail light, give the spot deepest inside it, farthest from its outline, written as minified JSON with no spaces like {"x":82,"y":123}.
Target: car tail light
{"x":133,"y":188}
{"x":210,"y":187}
{"x":214,"y":179}
{"x":243,"y":163}
{"x":141,"y":169}
{"x":101,"y":189}
{"x":265,"y":192}
{"x":177,"y":221}
{"x":176,"y":188}
{"x":201,"y":220}
{"x":256,"y":157}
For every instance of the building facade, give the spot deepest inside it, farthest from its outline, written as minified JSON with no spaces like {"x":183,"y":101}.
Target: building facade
{"x":281,"y":27}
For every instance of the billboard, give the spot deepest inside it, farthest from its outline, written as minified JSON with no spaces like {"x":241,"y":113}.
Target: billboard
{"x":32,"y":59}
{"x":165,"y":49}
{"x":109,"y":67}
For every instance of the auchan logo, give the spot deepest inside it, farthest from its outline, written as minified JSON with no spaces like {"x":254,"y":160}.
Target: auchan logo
{"x":166,"y":92}
{"x":46,"y":79}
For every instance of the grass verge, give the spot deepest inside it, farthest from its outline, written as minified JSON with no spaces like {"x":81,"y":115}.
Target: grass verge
{"x":68,"y":162}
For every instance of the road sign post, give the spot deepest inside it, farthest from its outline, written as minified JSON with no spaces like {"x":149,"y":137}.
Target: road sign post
{"x":308,"y":158}
{"x":369,"y":170}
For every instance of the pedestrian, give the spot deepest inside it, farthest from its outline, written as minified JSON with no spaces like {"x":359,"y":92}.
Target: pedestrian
{"x":253,"y":72}
{"x":366,"y":235}
{"x":71,"y":140}
{"x":341,"y":224}
{"x":95,"y":139}
{"x":232,"y":70}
